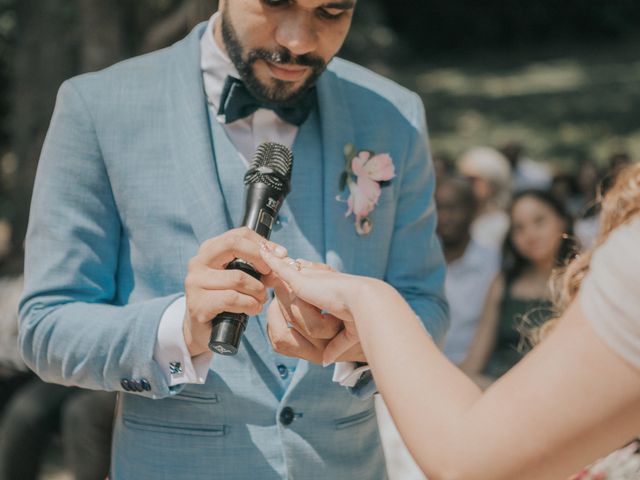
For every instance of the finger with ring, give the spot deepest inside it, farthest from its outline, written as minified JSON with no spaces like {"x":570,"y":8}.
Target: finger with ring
{"x":295,"y":264}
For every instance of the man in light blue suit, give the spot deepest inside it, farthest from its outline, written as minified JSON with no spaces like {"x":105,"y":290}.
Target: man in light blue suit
{"x":138,"y":189}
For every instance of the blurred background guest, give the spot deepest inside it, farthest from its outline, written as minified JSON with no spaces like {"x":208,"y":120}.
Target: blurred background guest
{"x":34,"y":415}
{"x":539,"y":239}
{"x":526,"y":173}
{"x":442,"y":165}
{"x":589,"y":181}
{"x":87,"y":422}
{"x":616,"y":162}
{"x":470,"y":266}
{"x":490,"y":174}
{"x":29,"y":422}
{"x":13,"y":371}
{"x":29,"y":407}
{"x":565,"y":188}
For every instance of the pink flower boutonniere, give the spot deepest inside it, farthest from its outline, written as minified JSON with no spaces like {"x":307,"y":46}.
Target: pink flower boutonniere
{"x":365,"y":174}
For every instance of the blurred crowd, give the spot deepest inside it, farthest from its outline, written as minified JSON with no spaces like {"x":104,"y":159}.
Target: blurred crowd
{"x":506,"y":223}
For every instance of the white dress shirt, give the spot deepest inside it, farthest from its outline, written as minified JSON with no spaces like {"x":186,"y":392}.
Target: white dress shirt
{"x":466,"y":287}
{"x":246,"y":134}
{"x":490,"y":229}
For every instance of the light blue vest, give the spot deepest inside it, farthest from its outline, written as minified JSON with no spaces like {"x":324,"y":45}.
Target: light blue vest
{"x":300,"y":225}
{"x":234,"y":418}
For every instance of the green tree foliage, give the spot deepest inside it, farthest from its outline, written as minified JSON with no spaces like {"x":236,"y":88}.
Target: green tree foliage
{"x":432,"y":25}
{"x":43,"y":42}
{"x":7,"y":29}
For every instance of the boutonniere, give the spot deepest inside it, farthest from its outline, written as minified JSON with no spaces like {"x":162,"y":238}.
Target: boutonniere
{"x":365,"y":174}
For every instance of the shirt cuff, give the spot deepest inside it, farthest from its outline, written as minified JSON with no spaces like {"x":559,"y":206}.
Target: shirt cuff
{"x":347,"y":374}
{"x":171,"y":351}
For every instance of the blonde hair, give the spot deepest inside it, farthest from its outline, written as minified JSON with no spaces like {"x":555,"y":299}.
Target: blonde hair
{"x":620,"y":205}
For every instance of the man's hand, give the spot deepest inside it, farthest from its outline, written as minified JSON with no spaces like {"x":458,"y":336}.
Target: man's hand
{"x":287,"y":340}
{"x":210,"y":289}
{"x":299,"y":329}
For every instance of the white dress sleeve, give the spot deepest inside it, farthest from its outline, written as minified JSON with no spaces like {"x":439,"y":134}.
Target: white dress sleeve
{"x":610,"y":292}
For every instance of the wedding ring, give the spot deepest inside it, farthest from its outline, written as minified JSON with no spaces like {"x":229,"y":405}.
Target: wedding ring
{"x":295,"y":264}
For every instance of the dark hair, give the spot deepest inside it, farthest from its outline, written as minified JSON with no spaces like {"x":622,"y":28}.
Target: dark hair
{"x":463,"y":187}
{"x":513,"y":263}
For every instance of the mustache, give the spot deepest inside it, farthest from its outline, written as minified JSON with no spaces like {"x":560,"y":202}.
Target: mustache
{"x":284,"y":56}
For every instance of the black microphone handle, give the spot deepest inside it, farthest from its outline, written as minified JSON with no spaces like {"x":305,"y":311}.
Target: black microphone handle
{"x":261,"y":210}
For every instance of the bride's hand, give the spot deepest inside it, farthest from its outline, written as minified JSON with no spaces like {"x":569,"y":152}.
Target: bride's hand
{"x":326,"y":289}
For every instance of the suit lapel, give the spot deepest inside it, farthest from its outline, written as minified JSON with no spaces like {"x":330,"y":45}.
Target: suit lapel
{"x":231,"y":170}
{"x":196,"y":159}
{"x":339,"y":234}
{"x":337,"y":131}
{"x":191,"y":144}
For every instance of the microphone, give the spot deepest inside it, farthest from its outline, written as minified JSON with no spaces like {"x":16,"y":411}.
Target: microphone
{"x":267,"y":183}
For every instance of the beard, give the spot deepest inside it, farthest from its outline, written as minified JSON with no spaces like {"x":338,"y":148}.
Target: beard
{"x":280,"y":92}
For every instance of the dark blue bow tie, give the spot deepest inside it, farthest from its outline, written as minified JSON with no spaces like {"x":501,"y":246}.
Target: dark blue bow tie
{"x":237,"y":102}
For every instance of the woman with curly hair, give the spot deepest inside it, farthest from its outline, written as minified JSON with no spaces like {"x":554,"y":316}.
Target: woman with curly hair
{"x":574,"y":398}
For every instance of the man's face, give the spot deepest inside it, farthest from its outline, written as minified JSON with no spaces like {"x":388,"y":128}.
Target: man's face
{"x":454,"y":215}
{"x":280,"y":47}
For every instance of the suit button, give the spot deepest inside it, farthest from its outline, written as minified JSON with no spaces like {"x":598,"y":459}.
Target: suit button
{"x":287,"y":415}
{"x":135,"y":385}
{"x":144,"y":383}
{"x":125,"y":384}
{"x":283,"y":371}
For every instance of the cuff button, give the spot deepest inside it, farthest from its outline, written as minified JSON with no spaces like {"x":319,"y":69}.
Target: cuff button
{"x":175,"y":368}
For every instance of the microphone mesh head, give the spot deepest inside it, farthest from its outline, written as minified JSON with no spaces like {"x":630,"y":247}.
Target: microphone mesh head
{"x":272,"y":164}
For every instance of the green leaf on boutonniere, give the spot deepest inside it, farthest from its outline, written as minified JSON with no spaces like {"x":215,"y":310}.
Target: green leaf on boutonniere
{"x":343,"y":181}
{"x":349,"y":153}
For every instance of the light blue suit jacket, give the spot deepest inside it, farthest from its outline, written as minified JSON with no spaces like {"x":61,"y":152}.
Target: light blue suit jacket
{"x":127,"y":188}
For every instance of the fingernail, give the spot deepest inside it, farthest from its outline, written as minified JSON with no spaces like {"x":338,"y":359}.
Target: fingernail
{"x":304,"y":263}
{"x":326,"y":363}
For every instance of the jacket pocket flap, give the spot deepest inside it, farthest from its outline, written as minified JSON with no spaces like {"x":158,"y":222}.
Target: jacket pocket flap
{"x":187,"y":429}
{"x":355,"y":419}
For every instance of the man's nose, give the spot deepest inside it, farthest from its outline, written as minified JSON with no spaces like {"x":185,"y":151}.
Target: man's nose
{"x":297,"y":34}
